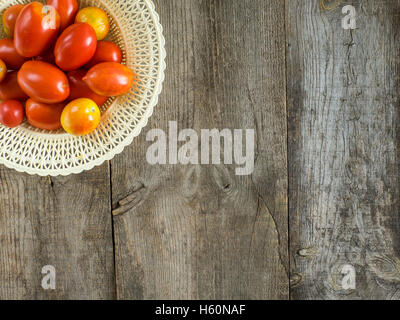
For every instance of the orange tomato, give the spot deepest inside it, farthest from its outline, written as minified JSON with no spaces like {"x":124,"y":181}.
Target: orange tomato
{"x":79,"y":88}
{"x":3,"y":70}
{"x":109,"y":79}
{"x":10,"y":17}
{"x":44,"y":116}
{"x":36,"y":29}
{"x":106,"y":52}
{"x":43,"y":82}
{"x":80,"y":117}
{"x":97,"y":18}
{"x":10,"y":89}
{"x":75,"y":47}
{"x":11,"y":113}
{"x":67,"y":10}
{"x":9,"y":54}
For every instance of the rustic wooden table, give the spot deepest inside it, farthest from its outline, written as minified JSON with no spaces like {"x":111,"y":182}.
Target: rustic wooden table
{"x":324,"y":103}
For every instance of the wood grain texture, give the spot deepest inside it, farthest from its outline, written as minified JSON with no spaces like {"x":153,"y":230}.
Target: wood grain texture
{"x":343,"y":106}
{"x":200,"y":231}
{"x":64,"y":222}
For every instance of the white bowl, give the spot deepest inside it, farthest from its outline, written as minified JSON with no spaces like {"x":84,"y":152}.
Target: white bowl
{"x":135,"y":27}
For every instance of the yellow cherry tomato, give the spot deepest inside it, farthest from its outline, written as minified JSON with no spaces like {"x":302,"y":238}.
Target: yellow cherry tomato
{"x":3,"y":70}
{"x":97,"y":18}
{"x":80,"y":117}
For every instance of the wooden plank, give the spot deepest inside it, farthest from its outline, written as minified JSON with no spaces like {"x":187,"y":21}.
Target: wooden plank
{"x":200,"y":231}
{"x":343,"y":106}
{"x":64,"y":222}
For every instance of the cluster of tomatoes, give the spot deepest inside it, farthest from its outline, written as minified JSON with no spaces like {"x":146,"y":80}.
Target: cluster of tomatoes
{"x":57,"y":63}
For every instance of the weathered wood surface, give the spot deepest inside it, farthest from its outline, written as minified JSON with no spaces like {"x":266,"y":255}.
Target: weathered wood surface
{"x":64,"y":222}
{"x":200,"y":232}
{"x":343,"y":107}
